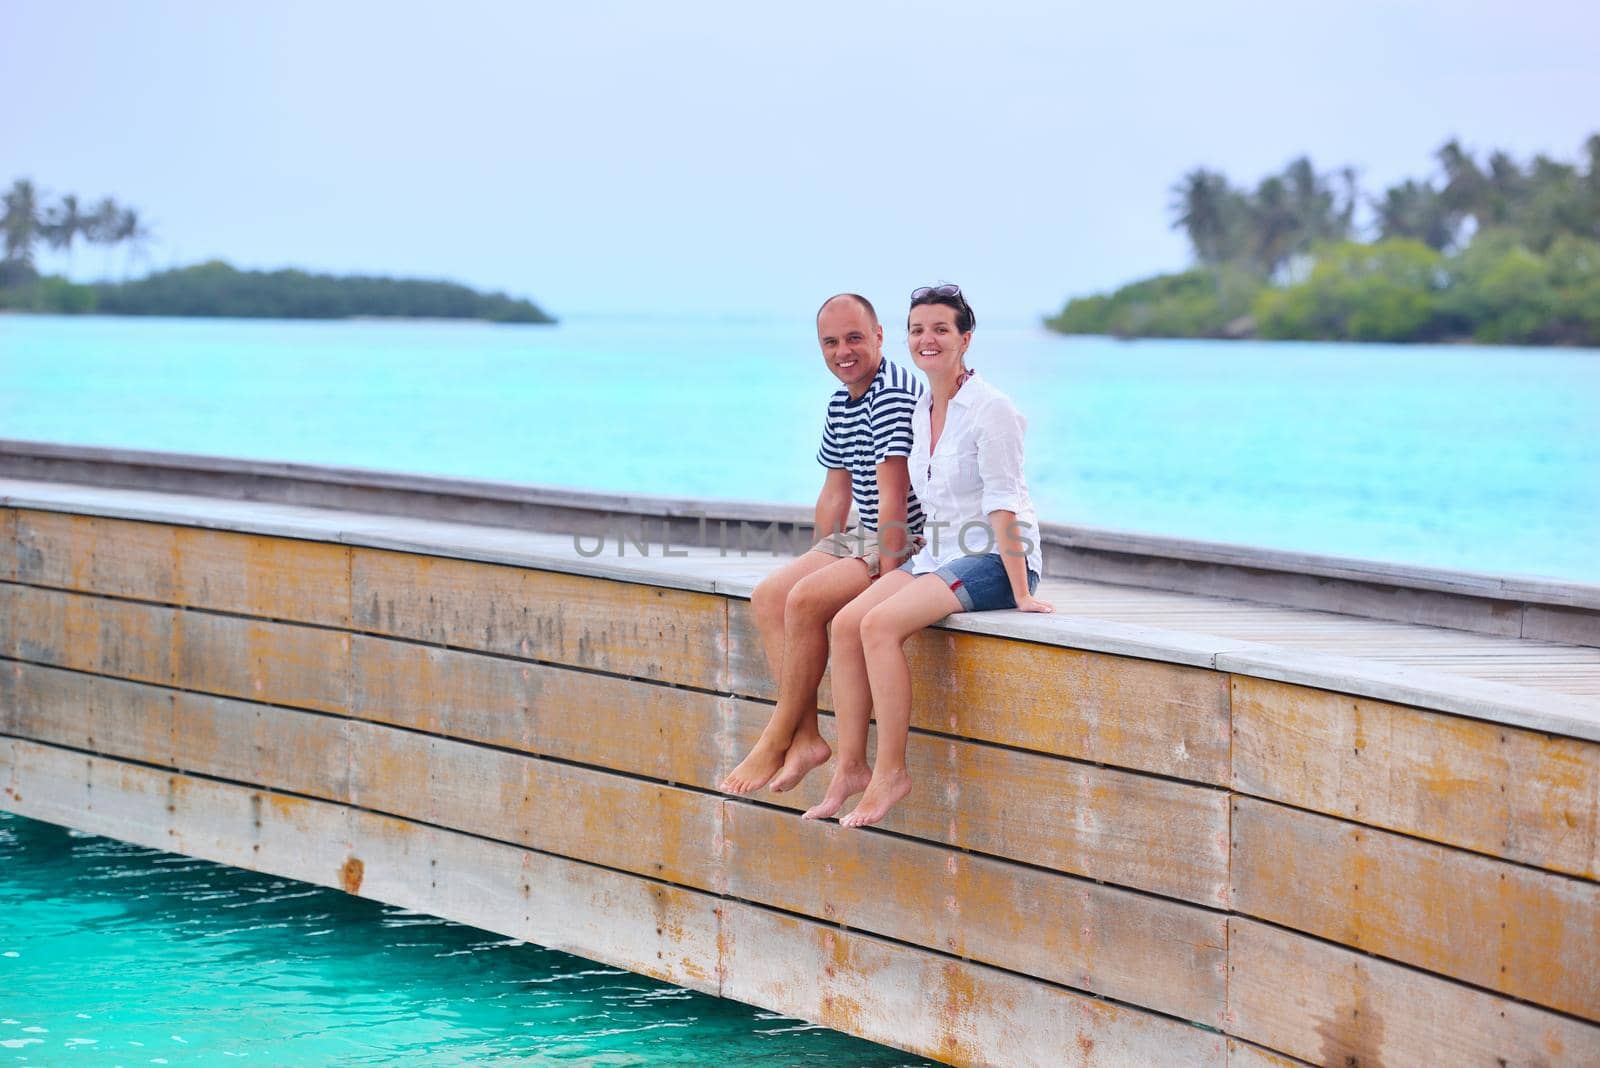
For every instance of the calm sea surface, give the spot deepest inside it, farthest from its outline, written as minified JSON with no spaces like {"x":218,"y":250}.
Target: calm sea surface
{"x":112,"y":954}
{"x":1482,"y":459}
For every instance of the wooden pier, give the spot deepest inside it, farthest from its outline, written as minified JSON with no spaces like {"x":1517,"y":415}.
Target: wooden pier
{"x":1227,"y":807}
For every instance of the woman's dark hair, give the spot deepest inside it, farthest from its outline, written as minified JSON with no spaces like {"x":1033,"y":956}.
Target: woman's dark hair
{"x":951,"y":297}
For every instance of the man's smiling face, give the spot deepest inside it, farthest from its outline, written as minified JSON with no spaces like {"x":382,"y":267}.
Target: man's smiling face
{"x":852,"y":344}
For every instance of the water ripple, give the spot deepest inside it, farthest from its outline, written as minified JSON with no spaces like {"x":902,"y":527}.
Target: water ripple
{"x":129,"y":955}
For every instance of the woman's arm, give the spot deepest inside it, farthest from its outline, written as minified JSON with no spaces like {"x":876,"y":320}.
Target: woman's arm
{"x":1008,"y":537}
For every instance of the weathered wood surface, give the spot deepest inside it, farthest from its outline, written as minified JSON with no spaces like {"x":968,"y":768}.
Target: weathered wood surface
{"x":1244,"y":1055}
{"x":620,"y":628}
{"x":1129,"y":946}
{"x":1495,"y":789}
{"x":119,"y":638}
{"x":1131,"y":713}
{"x":1335,"y":1006}
{"x":1154,"y":834}
{"x":958,"y":1012}
{"x":232,"y":656}
{"x":1520,"y":931}
{"x":620,"y":822}
{"x":247,"y":574}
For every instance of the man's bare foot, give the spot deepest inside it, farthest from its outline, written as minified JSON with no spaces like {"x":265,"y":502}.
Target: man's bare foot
{"x":882,"y":794}
{"x":754,"y":770}
{"x":804,"y":755}
{"x":847,"y":782}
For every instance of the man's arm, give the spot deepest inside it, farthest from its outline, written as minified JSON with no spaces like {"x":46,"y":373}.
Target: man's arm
{"x":833,"y":503}
{"x":894,"y":486}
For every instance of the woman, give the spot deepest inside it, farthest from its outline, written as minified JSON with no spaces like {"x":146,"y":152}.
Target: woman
{"x":982,"y":553}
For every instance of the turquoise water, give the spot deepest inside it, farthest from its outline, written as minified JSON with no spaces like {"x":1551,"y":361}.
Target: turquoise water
{"x":1482,"y":459}
{"x":113,"y":954}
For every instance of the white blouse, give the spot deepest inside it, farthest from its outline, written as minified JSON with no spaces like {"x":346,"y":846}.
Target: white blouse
{"x":976,"y":469}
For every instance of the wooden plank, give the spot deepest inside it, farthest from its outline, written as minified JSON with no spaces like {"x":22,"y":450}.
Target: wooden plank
{"x":1517,"y":930}
{"x":125,"y":719}
{"x":1244,"y":1055}
{"x":663,"y":732}
{"x":280,"y":749}
{"x":1120,"y":827}
{"x":621,"y":920}
{"x":88,"y":554}
{"x":1328,"y":1005}
{"x":8,"y":545}
{"x":1500,"y":790}
{"x":1132,"y":947}
{"x":10,"y":673}
{"x":281,"y":663}
{"x":646,"y":927}
{"x":246,"y":574}
{"x":625,"y":629}
{"x":274,"y":578}
{"x":69,"y":630}
{"x":1165,"y":718}
{"x":594,"y":816}
{"x":956,"y":1011}
{"x":249,"y":743}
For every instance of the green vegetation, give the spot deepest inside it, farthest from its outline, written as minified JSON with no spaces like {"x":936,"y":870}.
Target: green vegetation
{"x":210,"y":289}
{"x":1497,"y":253}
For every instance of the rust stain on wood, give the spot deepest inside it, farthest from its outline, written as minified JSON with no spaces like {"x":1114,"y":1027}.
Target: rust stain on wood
{"x":351,"y":874}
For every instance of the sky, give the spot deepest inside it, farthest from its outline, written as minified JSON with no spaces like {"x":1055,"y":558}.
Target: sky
{"x":741,"y":159}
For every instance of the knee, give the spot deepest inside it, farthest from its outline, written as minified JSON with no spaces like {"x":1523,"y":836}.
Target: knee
{"x":846,"y":629}
{"x":878,"y":630}
{"x":805,"y":603}
{"x":768,"y":599}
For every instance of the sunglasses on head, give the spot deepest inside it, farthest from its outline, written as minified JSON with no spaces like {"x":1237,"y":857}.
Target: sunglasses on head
{"x":935,"y":291}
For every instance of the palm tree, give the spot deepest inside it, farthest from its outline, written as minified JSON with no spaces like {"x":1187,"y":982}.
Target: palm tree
{"x":1464,"y":183}
{"x":1206,"y":208}
{"x":129,"y":230}
{"x":63,"y":225}
{"x":1415,"y":211}
{"x":1275,"y":228}
{"x":21,"y":222}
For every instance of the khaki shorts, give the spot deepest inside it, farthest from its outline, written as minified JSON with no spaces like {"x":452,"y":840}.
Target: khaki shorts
{"x":858,"y":544}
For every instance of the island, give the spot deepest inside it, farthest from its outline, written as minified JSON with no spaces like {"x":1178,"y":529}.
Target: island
{"x":1495,"y":252}
{"x":215,"y":288}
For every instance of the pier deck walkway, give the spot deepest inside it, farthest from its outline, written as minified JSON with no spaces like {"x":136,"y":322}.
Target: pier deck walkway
{"x":1524,"y":682}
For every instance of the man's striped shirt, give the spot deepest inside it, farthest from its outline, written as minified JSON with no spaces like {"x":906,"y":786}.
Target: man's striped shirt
{"x":861,"y":433}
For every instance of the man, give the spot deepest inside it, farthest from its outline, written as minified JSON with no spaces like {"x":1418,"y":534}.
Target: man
{"x":865,"y":441}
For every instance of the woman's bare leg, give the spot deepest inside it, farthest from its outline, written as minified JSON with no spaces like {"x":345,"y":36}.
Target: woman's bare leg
{"x":884,"y":630}
{"x":852,"y":696}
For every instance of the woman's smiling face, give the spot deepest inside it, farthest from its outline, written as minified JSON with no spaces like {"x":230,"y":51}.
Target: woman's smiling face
{"x":936,"y":345}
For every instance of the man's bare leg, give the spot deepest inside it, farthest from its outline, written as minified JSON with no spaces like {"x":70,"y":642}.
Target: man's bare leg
{"x":812,"y":604}
{"x":767,"y":605}
{"x":852,"y":697}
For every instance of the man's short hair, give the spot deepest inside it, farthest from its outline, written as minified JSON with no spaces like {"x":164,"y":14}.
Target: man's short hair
{"x":872,"y":313}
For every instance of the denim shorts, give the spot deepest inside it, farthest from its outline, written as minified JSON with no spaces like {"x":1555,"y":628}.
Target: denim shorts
{"x":980,"y":582}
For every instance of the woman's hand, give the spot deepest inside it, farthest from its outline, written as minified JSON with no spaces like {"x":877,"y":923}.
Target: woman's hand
{"x":1029,"y":603}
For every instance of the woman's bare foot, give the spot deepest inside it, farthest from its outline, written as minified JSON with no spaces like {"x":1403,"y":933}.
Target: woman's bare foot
{"x":847,"y":782}
{"x":755,"y":770}
{"x":806,"y":753}
{"x":883,"y":793}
